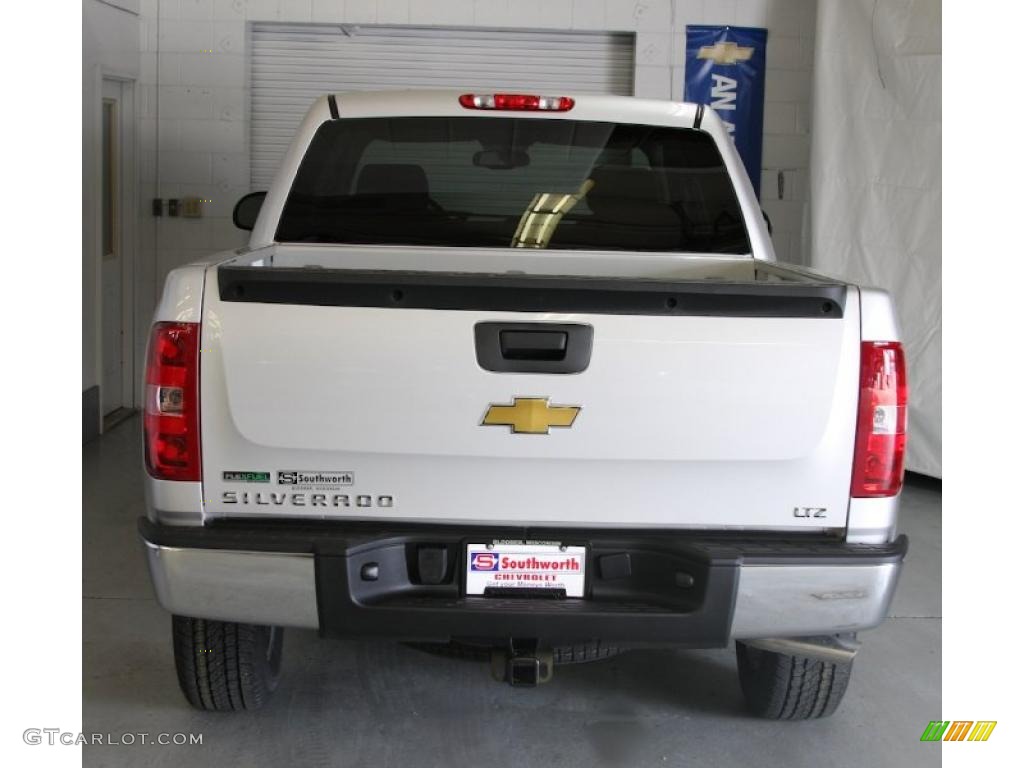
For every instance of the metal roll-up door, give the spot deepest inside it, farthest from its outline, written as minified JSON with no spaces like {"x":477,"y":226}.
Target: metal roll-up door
{"x":294,"y":64}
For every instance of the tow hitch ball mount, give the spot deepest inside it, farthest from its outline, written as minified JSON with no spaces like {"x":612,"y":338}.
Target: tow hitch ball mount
{"x":522,"y":663}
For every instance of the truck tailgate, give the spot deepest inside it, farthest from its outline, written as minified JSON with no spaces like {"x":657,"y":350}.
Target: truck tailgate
{"x":706,"y":411}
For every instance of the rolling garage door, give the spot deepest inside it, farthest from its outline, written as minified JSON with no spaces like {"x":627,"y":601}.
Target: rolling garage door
{"x":293,"y":64}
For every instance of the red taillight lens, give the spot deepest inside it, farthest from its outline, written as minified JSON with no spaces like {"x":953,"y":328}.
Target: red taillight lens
{"x":171,"y":418}
{"x":881,"y":420}
{"x":523,"y":102}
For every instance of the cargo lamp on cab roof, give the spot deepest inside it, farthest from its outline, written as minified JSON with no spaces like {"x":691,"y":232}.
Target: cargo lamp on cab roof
{"x":522,"y":102}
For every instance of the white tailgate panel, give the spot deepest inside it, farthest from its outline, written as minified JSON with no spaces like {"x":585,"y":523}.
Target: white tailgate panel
{"x":686,"y":421}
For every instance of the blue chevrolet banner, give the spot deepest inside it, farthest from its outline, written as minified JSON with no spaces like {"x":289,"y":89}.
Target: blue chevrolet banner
{"x":725,"y":70}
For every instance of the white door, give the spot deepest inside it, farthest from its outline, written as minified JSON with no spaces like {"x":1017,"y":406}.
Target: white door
{"x":116,"y":161}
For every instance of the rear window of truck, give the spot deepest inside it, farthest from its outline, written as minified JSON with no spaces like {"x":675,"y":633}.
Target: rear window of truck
{"x":513,"y":182}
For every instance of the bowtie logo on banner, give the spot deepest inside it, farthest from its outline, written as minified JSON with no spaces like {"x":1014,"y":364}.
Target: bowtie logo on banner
{"x":726,"y":53}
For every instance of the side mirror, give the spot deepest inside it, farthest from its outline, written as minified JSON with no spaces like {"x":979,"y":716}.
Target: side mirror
{"x":247,"y":209}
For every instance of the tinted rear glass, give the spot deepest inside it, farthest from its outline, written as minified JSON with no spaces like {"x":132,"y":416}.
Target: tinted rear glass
{"x":513,"y":182}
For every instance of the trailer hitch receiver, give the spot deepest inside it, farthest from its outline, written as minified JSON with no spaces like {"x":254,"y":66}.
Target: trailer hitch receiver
{"x":522,"y":663}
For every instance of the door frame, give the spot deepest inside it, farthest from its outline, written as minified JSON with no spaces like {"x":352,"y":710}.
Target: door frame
{"x":126,"y":231}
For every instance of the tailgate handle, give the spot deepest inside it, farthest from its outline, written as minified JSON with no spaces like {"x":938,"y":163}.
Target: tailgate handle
{"x":533,"y":347}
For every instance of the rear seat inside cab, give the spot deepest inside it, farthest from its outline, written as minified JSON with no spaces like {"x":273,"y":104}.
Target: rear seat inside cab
{"x":623,"y":202}
{"x":395,"y":187}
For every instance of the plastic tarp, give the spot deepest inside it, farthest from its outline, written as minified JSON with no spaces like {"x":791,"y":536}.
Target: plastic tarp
{"x":876,"y":179}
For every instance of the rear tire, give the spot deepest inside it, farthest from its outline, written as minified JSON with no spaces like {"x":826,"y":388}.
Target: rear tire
{"x":224,"y":666}
{"x":778,"y":686}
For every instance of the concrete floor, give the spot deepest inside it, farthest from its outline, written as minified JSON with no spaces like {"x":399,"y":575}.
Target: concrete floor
{"x":365,"y":703}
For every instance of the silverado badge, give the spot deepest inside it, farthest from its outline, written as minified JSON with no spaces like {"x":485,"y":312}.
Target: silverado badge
{"x":530,"y":415}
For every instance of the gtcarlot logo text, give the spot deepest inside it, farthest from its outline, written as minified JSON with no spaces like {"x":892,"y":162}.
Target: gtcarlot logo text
{"x":53,"y":736}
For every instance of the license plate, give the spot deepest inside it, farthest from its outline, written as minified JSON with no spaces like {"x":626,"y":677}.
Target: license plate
{"x":500,"y":566}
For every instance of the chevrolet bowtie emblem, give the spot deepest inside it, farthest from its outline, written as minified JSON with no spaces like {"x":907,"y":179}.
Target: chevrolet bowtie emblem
{"x":725,"y":53}
{"x":530,"y":415}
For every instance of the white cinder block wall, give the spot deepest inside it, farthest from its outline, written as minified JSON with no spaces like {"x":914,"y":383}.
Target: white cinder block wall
{"x":193,"y":99}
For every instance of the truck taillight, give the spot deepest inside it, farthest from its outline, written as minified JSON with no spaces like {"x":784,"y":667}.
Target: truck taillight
{"x":171,"y":418}
{"x":881,"y":420}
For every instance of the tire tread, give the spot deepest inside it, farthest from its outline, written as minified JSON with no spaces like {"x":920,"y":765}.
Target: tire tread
{"x":778,"y":686}
{"x":225,"y":666}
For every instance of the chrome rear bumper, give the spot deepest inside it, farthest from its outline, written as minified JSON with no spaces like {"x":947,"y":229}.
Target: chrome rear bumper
{"x":799,"y":600}
{"x":275,"y":588}
{"x":745,"y":595}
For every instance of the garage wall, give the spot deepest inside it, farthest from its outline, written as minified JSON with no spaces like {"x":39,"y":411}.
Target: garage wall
{"x":293,"y":64}
{"x":877,"y":180}
{"x":110,"y":47}
{"x":787,"y":109}
{"x":194,"y":130}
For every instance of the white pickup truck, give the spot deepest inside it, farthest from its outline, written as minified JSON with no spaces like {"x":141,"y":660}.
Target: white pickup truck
{"x":517,"y":377}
